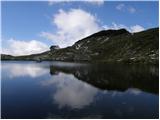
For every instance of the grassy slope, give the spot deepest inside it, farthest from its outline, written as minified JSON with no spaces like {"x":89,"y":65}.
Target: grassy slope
{"x":139,"y":47}
{"x":111,"y":45}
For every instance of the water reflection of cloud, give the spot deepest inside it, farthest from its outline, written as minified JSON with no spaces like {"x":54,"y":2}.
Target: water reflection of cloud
{"x":19,"y":70}
{"x":133,"y":91}
{"x":87,"y":116}
{"x":71,"y":92}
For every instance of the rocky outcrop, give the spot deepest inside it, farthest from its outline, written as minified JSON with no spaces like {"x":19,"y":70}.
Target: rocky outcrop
{"x":54,"y":47}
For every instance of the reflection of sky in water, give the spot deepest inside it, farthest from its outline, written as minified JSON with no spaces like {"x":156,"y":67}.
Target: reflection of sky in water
{"x":18,"y":70}
{"x":76,"y":94}
{"x":70,"y":92}
{"x":60,"y":93}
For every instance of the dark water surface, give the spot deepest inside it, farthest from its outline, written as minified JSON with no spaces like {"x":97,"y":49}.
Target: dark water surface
{"x":76,"y":90}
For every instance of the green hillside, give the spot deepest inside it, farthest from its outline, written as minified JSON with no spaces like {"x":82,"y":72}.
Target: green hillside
{"x":106,"y":46}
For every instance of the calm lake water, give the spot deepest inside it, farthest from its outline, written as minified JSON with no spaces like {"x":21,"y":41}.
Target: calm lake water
{"x":76,"y":90}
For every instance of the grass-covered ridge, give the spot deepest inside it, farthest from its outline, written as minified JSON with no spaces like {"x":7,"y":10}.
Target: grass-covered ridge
{"x":106,"y":46}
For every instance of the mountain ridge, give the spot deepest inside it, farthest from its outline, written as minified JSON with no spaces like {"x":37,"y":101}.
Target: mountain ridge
{"x":105,"y":46}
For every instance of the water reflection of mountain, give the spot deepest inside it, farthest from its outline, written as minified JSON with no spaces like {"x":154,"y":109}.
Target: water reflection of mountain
{"x":114,"y":77}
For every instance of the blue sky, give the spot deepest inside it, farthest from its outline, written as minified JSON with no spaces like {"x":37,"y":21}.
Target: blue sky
{"x":31,"y":27}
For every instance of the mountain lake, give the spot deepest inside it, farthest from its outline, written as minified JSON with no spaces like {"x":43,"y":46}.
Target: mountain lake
{"x":78,"y":90}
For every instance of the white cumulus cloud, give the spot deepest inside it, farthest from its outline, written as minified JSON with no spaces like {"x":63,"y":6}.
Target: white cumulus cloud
{"x":120,"y":6}
{"x":72,"y":26}
{"x":131,"y":9}
{"x":115,"y":26}
{"x":21,"y":47}
{"x":123,"y":7}
{"x":136,"y":28}
{"x":132,"y":29}
{"x":93,"y":2}
{"x":53,"y":2}
{"x":75,"y":24}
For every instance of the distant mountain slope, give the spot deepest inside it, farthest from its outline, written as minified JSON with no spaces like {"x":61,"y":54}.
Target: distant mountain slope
{"x":106,"y":46}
